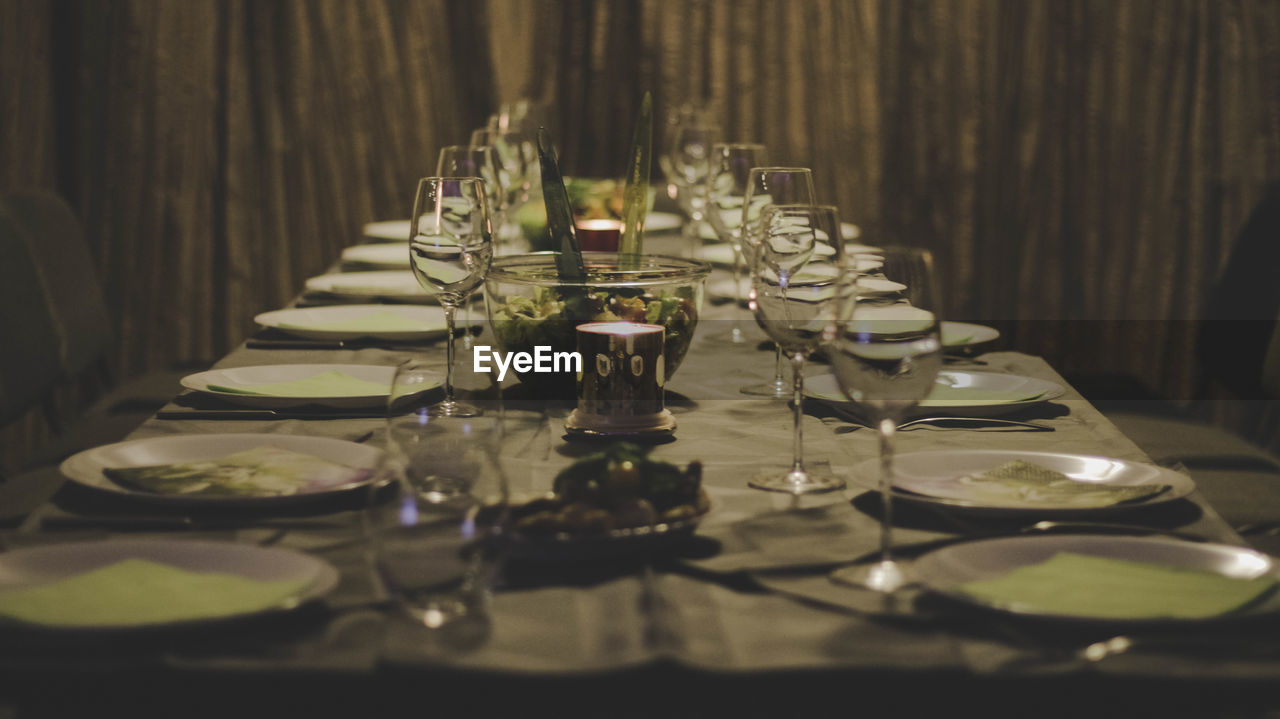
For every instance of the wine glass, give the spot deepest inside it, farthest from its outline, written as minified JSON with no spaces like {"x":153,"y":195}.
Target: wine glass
{"x":517,"y":162}
{"x":727,"y":183}
{"x":436,"y":523}
{"x":886,"y":356}
{"x":449,"y":251}
{"x":770,"y":186}
{"x":686,"y":162}
{"x":476,"y":161}
{"x":795,"y":296}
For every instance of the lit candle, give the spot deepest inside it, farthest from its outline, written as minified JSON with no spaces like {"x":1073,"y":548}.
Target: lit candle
{"x":620,"y":387}
{"x":599,"y":235}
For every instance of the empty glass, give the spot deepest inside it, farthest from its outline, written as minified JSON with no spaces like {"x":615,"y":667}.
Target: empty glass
{"x":886,"y":356}
{"x":771,"y":186}
{"x":795,"y":294}
{"x":727,"y":183}
{"x":435,"y":538}
{"x":449,"y":252}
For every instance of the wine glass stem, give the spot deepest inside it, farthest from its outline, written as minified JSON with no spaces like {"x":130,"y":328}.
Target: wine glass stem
{"x":797,"y":438}
{"x":449,"y":311}
{"x":778,"y":382}
{"x":887,"y":427}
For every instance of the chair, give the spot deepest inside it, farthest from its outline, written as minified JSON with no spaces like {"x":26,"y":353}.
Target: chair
{"x":61,"y":333}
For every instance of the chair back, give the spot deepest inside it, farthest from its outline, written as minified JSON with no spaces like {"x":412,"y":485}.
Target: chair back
{"x":65,"y":276}
{"x":30,"y":349}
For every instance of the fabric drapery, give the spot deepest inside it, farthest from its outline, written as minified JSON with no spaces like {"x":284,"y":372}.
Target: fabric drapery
{"x":1081,"y":167}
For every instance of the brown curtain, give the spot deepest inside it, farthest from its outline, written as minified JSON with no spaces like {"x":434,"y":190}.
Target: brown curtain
{"x":1081,"y":166}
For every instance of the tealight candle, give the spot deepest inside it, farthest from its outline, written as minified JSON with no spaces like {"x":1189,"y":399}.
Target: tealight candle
{"x":621,"y":383}
{"x":599,"y":235}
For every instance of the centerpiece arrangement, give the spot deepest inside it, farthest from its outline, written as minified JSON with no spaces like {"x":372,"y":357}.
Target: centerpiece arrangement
{"x":540,"y":299}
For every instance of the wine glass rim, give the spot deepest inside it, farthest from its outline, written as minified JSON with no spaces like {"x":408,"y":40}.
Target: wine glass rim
{"x":781,"y":168}
{"x":729,"y":145}
{"x":450,"y":178}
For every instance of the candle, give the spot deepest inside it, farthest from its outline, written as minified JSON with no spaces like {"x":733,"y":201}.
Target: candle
{"x":620,"y":386}
{"x":599,"y":235}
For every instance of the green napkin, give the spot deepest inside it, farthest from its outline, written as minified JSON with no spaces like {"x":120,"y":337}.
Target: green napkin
{"x":333,"y":383}
{"x":1085,"y":586}
{"x":135,"y":592}
{"x":258,"y":472}
{"x":381,"y":321}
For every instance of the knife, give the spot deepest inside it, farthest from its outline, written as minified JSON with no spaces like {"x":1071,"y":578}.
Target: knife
{"x":259,"y":414}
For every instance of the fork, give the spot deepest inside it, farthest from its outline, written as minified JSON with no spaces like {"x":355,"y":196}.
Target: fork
{"x":953,"y":420}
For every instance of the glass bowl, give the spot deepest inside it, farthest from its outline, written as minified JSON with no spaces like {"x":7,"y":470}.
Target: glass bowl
{"x":529,"y":306}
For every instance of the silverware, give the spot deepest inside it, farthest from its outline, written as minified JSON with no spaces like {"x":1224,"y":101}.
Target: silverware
{"x":261,"y":414}
{"x":177,"y":523}
{"x":945,"y":420}
{"x":1051,"y":525}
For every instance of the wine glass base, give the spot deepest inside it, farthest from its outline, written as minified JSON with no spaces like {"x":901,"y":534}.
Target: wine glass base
{"x":735,"y":336}
{"x":791,"y":483}
{"x":885,"y":577}
{"x":772,"y":390}
{"x":456,"y":409}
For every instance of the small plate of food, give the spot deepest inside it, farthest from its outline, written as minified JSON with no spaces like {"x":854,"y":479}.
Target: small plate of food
{"x":614,"y":502}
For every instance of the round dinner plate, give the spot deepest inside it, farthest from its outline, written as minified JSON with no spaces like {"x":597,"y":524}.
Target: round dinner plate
{"x":388,"y":230}
{"x":390,"y":284}
{"x":398,"y":230}
{"x":380,"y":255}
{"x":205,"y":382}
{"x":965,"y":334}
{"x":944,"y":570}
{"x":849,"y":230}
{"x":720,"y":254}
{"x":86,"y":468}
{"x":342,"y":322}
{"x":35,"y":566}
{"x":826,"y":388}
{"x":932,"y":478}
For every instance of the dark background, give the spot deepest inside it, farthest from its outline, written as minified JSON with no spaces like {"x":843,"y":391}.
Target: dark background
{"x":1082,"y":167}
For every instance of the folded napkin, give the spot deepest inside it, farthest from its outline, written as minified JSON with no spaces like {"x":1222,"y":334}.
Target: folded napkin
{"x":333,"y":383}
{"x":1087,"y":586}
{"x":1023,"y":484}
{"x":136,"y":592}
{"x":258,"y":472}
{"x":381,"y":321}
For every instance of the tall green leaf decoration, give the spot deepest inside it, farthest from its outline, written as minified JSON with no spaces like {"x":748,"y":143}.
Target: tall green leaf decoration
{"x":564,"y":234}
{"x":635,"y":198}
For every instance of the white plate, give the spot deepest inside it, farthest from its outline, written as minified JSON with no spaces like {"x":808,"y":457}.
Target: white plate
{"x":662,"y":222}
{"x":34,"y":566}
{"x":389,"y":230}
{"x":971,"y":334}
{"x":86,"y":468}
{"x":825,"y":387}
{"x":944,"y":570}
{"x":931,"y":478}
{"x":309,"y":322}
{"x":382,"y":255}
{"x":390,"y":284}
{"x":266,"y":374}
{"x":398,"y":230}
{"x":849,"y":230}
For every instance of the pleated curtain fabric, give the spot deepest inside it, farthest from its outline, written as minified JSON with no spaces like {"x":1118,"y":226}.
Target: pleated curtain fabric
{"x":1080,"y":166}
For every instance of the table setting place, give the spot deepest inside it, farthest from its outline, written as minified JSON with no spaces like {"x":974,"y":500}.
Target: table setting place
{"x":542,"y":426}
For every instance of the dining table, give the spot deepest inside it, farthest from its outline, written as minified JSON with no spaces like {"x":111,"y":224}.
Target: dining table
{"x":740,"y":619}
